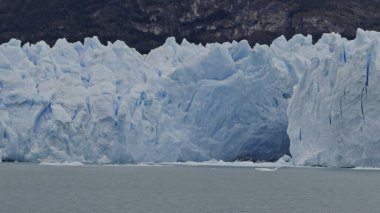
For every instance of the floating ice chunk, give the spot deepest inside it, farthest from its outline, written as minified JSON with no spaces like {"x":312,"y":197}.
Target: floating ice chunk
{"x":61,"y":164}
{"x":266,"y":169}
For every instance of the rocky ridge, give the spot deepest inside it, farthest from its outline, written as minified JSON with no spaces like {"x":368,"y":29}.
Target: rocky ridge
{"x":145,"y":24}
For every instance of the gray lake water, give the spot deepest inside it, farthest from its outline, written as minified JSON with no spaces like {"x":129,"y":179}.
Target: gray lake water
{"x":176,"y":189}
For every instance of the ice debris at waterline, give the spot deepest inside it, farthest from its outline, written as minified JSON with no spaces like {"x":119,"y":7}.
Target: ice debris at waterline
{"x":92,"y":103}
{"x":283,"y":162}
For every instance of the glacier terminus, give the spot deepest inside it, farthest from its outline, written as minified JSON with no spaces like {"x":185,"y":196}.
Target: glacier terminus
{"x":96,"y":103}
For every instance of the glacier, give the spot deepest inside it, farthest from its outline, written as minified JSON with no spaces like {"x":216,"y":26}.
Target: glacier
{"x":94,"y":103}
{"x":334,"y":113}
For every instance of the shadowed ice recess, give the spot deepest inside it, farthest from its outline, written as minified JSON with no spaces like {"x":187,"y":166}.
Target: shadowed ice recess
{"x":95,"y":103}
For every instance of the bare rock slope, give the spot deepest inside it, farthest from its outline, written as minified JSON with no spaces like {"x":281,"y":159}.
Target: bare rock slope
{"x":145,"y":24}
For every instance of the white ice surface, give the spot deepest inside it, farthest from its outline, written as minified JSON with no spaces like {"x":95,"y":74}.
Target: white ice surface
{"x":106,"y":104}
{"x":334,"y":114}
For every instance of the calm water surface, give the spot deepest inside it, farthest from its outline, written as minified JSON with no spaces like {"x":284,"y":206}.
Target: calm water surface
{"x":176,"y":189}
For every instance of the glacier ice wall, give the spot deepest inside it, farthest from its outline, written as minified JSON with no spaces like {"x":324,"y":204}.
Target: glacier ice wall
{"x":97,"y":103}
{"x":334,"y":113}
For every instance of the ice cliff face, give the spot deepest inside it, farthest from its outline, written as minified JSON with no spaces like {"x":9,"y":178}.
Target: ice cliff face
{"x":109,"y":104}
{"x":334,"y":113}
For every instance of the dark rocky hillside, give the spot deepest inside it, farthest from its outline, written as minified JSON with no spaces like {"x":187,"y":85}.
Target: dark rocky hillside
{"x":145,"y":24}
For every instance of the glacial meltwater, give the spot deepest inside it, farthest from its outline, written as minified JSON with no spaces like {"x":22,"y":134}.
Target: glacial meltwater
{"x":185,"y":189}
